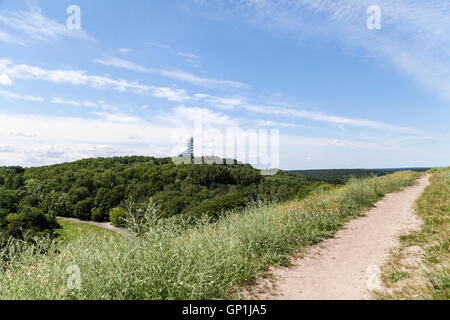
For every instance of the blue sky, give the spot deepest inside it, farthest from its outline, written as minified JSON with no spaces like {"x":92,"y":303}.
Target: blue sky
{"x":341,"y":95}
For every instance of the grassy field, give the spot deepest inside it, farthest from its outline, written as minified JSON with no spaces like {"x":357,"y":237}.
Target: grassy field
{"x":169,"y":259}
{"x":420,"y":267}
{"x":71,"y":231}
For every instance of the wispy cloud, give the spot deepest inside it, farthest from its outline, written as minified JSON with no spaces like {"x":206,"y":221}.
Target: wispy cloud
{"x":5,"y":80}
{"x":415,"y":34}
{"x":280,"y":111}
{"x":172,"y":74}
{"x":75,"y":77}
{"x":60,"y":139}
{"x":323,"y":117}
{"x":270,"y":123}
{"x":174,"y":95}
{"x":21,"y":134}
{"x":192,"y":59}
{"x":83,"y":78}
{"x":118,"y":117}
{"x":15,"y":96}
{"x":158,"y":45}
{"x":5,"y":37}
{"x":68,"y":102}
{"x":33,"y":25}
{"x":186,"y":117}
{"x":6,"y":149}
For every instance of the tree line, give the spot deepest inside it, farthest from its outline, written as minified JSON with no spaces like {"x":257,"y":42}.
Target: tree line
{"x":96,"y":189}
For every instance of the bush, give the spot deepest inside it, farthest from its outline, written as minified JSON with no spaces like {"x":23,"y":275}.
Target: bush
{"x":29,"y":223}
{"x":214,"y":207}
{"x":97,"y":215}
{"x":117,"y":216}
{"x":82,"y":209}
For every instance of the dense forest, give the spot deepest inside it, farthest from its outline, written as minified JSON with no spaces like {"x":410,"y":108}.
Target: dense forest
{"x":98,"y":189}
{"x":90,"y":189}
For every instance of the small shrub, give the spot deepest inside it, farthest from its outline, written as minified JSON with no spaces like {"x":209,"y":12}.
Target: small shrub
{"x":117,"y":216}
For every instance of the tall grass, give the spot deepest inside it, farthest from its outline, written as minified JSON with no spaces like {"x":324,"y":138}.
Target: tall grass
{"x":167,"y":259}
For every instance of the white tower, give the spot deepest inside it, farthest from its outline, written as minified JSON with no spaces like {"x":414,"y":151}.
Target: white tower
{"x":189,"y":149}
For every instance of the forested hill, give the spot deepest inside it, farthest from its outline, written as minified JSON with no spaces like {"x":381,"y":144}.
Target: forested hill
{"x":88,"y":189}
{"x":97,"y":189}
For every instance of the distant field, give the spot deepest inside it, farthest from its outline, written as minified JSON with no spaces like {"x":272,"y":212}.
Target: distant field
{"x":71,"y":231}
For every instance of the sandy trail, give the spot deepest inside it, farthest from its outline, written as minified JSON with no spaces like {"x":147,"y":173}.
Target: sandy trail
{"x":344,"y":267}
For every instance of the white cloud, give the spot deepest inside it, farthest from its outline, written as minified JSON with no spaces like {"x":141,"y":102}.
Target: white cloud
{"x":85,"y":103}
{"x":192,"y":59}
{"x":120,"y":118}
{"x":68,"y":102}
{"x":188,"y":55}
{"x":221,"y":102}
{"x":322,"y":117}
{"x":174,"y":95}
{"x":125,"y":50}
{"x":89,"y":104}
{"x":415,"y":34}
{"x":191,"y":78}
{"x":79,"y":134}
{"x":278,"y":110}
{"x":187,"y":117}
{"x":269,"y":123}
{"x":60,"y":139}
{"x":74,"y":77}
{"x":124,"y":64}
{"x":5,"y":79}
{"x":5,"y":37}
{"x":82,"y":78}
{"x":158,"y":45}
{"x":20,"y":134}
{"x":171,"y":74}
{"x":33,"y":25}
{"x":15,"y":96}
{"x":6,"y":149}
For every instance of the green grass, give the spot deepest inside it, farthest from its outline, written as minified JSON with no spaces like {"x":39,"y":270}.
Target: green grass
{"x":429,"y":275}
{"x":398,"y":275}
{"x":71,"y":231}
{"x":172,"y":259}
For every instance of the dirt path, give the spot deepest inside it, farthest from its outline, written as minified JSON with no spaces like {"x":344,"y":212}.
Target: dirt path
{"x":345,"y":266}
{"x":105,"y":225}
